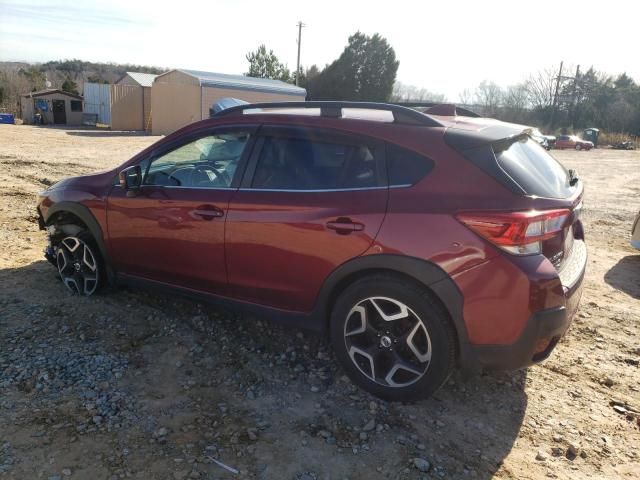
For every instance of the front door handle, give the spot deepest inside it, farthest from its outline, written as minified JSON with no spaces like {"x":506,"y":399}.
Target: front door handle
{"x":207,"y":212}
{"x":344,"y":226}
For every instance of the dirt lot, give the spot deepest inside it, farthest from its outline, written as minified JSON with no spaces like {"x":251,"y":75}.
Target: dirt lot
{"x":132,"y":384}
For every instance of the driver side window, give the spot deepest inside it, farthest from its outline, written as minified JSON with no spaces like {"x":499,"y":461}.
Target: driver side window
{"x":207,"y":162}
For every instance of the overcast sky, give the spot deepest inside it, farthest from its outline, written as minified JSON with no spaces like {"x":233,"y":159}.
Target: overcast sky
{"x":444,"y":46}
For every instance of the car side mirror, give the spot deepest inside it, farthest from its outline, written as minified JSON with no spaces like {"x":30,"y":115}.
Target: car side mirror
{"x":131,"y":180}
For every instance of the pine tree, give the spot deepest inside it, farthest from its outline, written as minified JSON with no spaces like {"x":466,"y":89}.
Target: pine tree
{"x":365,"y":71}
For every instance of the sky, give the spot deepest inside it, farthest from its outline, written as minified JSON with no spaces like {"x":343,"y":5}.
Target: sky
{"x":444,"y":46}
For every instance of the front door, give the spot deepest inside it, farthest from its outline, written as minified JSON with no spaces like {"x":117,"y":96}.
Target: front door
{"x":309,"y":202}
{"x":59,"y":112}
{"x":173,"y":230}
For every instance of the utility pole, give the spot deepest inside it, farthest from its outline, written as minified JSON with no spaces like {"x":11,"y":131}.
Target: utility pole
{"x":574,"y":98}
{"x":300,"y":25}
{"x":555,"y":96}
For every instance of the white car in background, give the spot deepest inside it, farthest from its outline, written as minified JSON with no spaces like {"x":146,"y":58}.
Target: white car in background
{"x":546,"y":141}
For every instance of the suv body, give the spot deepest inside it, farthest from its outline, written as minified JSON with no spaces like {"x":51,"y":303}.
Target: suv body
{"x":417,"y":241}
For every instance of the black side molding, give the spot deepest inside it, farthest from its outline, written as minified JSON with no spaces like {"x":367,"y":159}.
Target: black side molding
{"x":427,"y":273}
{"x":286,"y":318}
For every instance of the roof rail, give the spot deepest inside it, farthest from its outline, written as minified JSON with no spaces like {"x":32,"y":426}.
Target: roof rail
{"x":403,"y":115}
{"x":439,"y":107}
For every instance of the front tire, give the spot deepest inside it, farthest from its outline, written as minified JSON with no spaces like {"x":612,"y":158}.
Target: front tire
{"x":79,"y":264}
{"x":392,"y":338}
{"x":578,"y":147}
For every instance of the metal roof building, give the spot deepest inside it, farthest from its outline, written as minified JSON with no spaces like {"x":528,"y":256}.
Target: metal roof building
{"x":138,"y":78}
{"x":131,"y":102}
{"x":180,"y":97}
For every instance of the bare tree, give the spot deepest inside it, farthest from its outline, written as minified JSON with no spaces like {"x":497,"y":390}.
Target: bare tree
{"x":515,"y":103}
{"x":466,"y":97}
{"x":410,"y":93}
{"x":540,"y":88}
{"x":489,"y":96}
{"x":14,"y":84}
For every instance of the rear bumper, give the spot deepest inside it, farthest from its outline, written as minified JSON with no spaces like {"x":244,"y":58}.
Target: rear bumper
{"x":541,"y":332}
{"x":544,"y":329}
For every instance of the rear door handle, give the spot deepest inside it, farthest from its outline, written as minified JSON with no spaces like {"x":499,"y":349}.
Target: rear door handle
{"x":207,"y":212}
{"x":344,"y":226}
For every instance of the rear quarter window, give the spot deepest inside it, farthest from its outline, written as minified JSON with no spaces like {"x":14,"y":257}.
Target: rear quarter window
{"x":405,"y":167}
{"x":534,"y":170}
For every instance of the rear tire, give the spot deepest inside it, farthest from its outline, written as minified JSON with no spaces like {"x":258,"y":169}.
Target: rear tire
{"x":392,"y":338}
{"x":578,"y":147}
{"x":79,"y":263}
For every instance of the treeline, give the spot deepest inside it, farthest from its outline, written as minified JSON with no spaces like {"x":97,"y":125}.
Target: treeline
{"x":366,"y":71}
{"x":587,"y":99}
{"x":18,"y":78}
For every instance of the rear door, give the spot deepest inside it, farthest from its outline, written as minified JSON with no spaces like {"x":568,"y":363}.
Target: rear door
{"x":173,"y":230}
{"x":309,"y":201}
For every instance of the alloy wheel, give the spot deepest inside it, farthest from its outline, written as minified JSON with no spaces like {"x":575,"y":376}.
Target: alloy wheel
{"x":77,"y":266}
{"x":387,"y":341}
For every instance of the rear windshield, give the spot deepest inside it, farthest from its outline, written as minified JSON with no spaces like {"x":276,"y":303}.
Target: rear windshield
{"x":537,"y":172}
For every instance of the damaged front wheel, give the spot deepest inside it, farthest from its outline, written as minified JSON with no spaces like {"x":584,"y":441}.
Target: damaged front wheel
{"x":78,"y":263}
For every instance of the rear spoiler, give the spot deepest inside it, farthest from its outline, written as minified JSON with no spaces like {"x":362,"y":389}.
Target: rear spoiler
{"x":499,"y":135}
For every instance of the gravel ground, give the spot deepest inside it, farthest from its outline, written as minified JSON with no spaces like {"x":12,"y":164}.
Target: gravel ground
{"x":133,"y":384}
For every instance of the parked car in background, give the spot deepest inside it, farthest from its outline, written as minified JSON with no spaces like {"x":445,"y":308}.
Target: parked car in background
{"x":574,"y":142}
{"x":546,"y":141}
{"x":635,"y":233}
{"x":627,"y":145}
{"x":415,"y":241}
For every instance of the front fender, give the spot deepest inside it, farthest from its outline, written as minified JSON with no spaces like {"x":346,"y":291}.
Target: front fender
{"x":87,"y":217}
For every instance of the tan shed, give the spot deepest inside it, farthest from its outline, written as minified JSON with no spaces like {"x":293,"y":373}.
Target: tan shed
{"x":131,"y":102}
{"x":53,"y":106}
{"x":181,"y":97}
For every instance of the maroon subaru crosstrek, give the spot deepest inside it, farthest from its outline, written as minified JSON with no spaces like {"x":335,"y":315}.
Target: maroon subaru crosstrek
{"x":417,"y":241}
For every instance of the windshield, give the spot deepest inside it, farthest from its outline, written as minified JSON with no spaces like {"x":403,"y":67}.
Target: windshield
{"x":537,"y":172}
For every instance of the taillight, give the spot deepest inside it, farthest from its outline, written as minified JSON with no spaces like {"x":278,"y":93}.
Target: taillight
{"x":519,"y":233}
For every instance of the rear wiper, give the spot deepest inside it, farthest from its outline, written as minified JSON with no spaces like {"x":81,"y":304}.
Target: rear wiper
{"x":573,"y":177}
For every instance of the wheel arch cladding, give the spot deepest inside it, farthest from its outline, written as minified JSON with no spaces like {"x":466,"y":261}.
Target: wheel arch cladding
{"x":89,"y":221}
{"x":424,"y":273}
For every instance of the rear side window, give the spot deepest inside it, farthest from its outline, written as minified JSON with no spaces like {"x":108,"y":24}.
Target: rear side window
{"x":537,"y":172}
{"x":303,"y":164}
{"x":405,"y":167}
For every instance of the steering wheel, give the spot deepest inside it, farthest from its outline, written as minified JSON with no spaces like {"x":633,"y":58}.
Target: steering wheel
{"x":221,"y":174}
{"x":181,"y":177}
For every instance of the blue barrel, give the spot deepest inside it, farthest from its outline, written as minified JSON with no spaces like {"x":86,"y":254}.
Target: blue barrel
{"x":7,"y":118}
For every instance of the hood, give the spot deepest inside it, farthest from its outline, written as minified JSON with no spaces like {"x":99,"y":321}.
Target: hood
{"x":91,"y":179}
